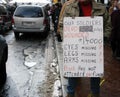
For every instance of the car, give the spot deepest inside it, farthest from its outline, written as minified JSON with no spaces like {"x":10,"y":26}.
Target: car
{"x":3,"y":60}
{"x":5,"y":19}
{"x":30,"y":18}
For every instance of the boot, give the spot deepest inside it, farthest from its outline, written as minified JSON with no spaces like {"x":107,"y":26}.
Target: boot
{"x":69,"y":95}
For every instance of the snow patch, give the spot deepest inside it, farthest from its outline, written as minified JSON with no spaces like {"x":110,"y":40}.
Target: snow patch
{"x":30,"y":64}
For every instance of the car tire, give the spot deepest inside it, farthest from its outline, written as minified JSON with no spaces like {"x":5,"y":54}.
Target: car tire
{"x":45,"y":33}
{"x":16,"y":35}
{"x":3,"y":74}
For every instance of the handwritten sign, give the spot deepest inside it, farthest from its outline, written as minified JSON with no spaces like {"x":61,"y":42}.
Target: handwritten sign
{"x":83,"y":47}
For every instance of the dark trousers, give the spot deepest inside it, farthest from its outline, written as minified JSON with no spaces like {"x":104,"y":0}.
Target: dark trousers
{"x":115,"y":45}
{"x":94,"y":85}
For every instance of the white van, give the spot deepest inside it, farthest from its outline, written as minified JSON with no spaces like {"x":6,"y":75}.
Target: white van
{"x":30,"y":18}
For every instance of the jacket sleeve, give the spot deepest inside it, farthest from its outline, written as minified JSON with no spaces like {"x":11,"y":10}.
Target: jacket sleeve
{"x":64,"y":14}
{"x":61,"y":22}
{"x":61,"y":17}
{"x":107,"y":24}
{"x":61,"y":13}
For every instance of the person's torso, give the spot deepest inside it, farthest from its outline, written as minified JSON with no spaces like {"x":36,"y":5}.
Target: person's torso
{"x":73,"y":9}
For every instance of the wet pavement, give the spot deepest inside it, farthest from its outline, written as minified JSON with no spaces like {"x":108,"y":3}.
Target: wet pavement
{"x":111,"y":80}
{"x":32,"y":69}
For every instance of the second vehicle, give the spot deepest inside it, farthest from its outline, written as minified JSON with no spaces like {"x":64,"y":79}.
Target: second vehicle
{"x":30,"y":18}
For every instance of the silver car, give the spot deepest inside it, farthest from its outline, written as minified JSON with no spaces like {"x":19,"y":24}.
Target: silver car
{"x":30,"y":18}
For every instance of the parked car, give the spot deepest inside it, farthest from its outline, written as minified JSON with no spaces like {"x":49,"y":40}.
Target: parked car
{"x":3,"y":60}
{"x":30,"y":18}
{"x":5,"y":19}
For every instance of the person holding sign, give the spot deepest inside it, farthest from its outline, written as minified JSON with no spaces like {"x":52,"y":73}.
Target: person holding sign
{"x":115,"y":33}
{"x":85,"y":8}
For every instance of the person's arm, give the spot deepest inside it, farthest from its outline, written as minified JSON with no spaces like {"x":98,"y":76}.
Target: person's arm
{"x":60,"y":17}
{"x":107,"y":24}
{"x":60,"y":25}
{"x":62,"y":12}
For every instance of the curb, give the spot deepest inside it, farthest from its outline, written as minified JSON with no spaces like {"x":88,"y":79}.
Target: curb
{"x":64,"y":81}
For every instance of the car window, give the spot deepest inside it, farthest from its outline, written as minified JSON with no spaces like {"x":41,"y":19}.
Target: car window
{"x":28,"y":12}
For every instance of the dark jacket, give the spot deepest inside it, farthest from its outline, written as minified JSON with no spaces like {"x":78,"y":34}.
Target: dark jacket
{"x":115,"y":20}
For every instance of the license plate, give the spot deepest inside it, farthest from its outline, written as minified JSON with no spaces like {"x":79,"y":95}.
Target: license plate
{"x":27,"y":23}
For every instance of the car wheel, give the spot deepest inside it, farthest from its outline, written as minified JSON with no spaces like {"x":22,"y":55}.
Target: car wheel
{"x":16,"y":35}
{"x":45,"y":33}
{"x":3,"y":74}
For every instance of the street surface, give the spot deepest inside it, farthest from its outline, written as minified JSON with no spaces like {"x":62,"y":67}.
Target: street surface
{"x":32,"y":66}
{"x":33,"y":70}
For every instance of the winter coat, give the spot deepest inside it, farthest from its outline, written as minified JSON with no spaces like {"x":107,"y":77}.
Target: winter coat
{"x":98,"y":9}
{"x":115,"y":20}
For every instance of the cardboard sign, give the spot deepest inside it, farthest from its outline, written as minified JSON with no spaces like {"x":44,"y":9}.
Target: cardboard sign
{"x":83,"y":47}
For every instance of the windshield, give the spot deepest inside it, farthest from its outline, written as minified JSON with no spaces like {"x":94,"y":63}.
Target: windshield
{"x":28,"y":11}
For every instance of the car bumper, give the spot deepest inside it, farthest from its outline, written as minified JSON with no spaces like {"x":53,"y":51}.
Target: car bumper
{"x":20,"y":29}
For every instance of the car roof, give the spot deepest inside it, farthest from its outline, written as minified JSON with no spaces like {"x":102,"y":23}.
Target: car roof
{"x":29,"y":5}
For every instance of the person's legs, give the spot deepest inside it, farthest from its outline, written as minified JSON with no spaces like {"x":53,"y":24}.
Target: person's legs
{"x":118,"y":50}
{"x":72,"y":82}
{"x":113,"y":46}
{"x":95,"y":86}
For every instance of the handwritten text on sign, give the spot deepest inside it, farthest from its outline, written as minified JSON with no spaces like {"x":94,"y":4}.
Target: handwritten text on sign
{"x":83,"y":47}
